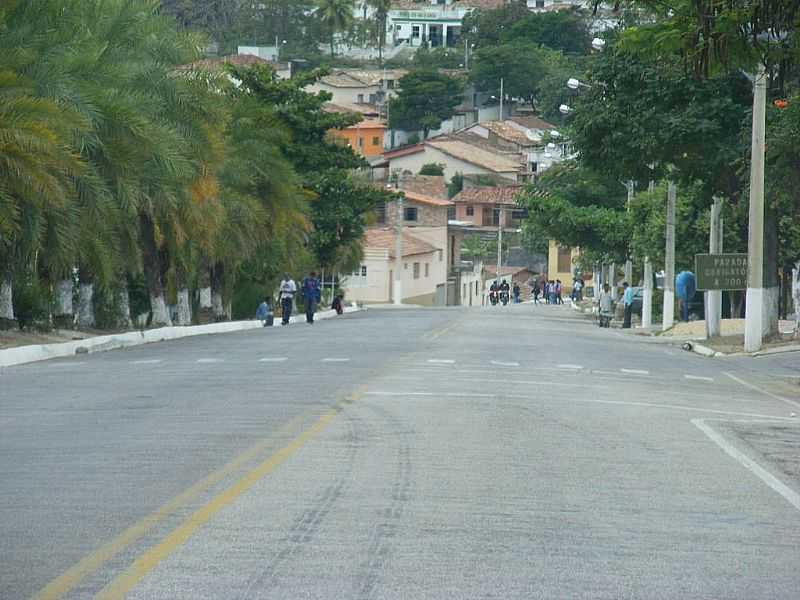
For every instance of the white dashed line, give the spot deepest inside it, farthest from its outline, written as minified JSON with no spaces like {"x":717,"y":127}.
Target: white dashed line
{"x":572,"y":367}
{"x":153,"y":361}
{"x":699,"y":378}
{"x":205,"y":361}
{"x":635,"y":371}
{"x":66,"y":365}
{"x":274,"y":359}
{"x":441,"y":361}
{"x":337,"y":360}
{"x":399,"y":393}
{"x":500,"y":363}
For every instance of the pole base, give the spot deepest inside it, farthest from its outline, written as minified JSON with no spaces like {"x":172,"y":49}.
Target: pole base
{"x":753,"y":320}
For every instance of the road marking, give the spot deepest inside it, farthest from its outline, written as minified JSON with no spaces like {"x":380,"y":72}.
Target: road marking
{"x":441,"y":361}
{"x":336,"y":360}
{"x":763,"y":391}
{"x":205,"y":361}
{"x":699,"y":378}
{"x":748,"y":463}
{"x":501,"y":363}
{"x":67,"y":581}
{"x":123,"y":583}
{"x":379,"y":393}
{"x":274,"y":359}
{"x":153,"y":361}
{"x":572,"y":367}
{"x":65,"y":364}
{"x":635,"y":371}
{"x":440,"y":332}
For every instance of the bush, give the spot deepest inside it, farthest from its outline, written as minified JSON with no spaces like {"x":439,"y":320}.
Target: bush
{"x":432,"y":169}
{"x":32,"y":302}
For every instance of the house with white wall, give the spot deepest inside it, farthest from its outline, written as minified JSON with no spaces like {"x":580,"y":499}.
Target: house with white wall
{"x":437,"y":22}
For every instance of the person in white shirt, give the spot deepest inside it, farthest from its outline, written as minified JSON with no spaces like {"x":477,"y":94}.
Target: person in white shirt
{"x":286,"y":293}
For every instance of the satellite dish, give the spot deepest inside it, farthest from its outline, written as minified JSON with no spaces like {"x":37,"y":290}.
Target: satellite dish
{"x":532,"y":135}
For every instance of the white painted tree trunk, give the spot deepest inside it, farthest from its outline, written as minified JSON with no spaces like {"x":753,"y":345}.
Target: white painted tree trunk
{"x":184,"y":308}
{"x":86,"y":306}
{"x":796,"y":298}
{"x":124,"y":309}
{"x":64,"y":304}
{"x":205,"y":298}
{"x":6,"y":299}
{"x":218,"y":306}
{"x":161,"y":316}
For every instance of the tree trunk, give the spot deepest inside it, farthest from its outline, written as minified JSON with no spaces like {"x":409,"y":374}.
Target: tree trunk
{"x":7,"y":320}
{"x":184,"y":307}
{"x":152,"y":273}
{"x":124,"y":308}
{"x":64,"y":317}
{"x":86,"y":318}
{"x":332,"y":50}
{"x":772,"y":290}
{"x":217,"y":288}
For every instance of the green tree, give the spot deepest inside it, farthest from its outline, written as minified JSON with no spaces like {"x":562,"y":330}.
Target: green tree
{"x":381,"y":8}
{"x":486,"y":28}
{"x":426,"y":98}
{"x":336,"y":16}
{"x":432,"y":169}
{"x":564,"y":30}
{"x":522,"y":66}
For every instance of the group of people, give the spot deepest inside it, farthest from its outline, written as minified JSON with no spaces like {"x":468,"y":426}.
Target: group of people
{"x":311,"y":293}
{"x":606,"y":302}
{"x":550,"y":290}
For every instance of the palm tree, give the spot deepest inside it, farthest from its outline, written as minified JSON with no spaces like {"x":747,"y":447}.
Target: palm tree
{"x":382,"y":8}
{"x":336,"y":16}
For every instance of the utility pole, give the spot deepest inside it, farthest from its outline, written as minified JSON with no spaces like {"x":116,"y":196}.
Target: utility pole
{"x":499,"y":243}
{"x":501,"y":100}
{"x":669,"y":259}
{"x":398,"y":247}
{"x":754,"y":309}
{"x":714,"y":297}
{"x":647,"y":294}
{"x":630,"y":185}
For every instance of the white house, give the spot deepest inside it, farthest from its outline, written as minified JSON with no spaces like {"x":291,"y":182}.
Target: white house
{"x":438,"y":22}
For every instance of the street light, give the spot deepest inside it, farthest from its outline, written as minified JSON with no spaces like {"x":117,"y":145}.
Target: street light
{"x":564,"y":109}
{"x":598,"y":44}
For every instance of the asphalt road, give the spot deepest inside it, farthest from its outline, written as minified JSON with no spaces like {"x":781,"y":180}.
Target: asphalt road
{"x":514,"y":452}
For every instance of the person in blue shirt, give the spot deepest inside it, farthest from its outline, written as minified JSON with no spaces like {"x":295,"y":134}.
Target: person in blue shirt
{"x":627,"y":302}
{"x":685,"y":288}
{"x":311,"y":295}
{"x":263,"y":311}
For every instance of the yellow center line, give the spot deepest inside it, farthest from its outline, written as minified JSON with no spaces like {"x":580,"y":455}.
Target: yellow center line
{"x":440,"y":332}
{"x":68,"y":580}
{"x":123,"y":583}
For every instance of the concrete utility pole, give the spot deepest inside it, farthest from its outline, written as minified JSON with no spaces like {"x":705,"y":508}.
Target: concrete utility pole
{"x":398,"y":248}
{"x":714,"y":297}
{"x":499,"y":243}
{"x":754,"y":309}
{"x":647,"y":294}
{"x":669,"y":260}
{"x":612,"y":278}
{"x":501,"y":99}
{"x":630,"y":185}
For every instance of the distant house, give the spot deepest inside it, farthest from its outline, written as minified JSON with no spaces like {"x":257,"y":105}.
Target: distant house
{"x":456,"y":156}
{"x":561,"y":264}
{"x":436,"y":22}
{"x":359,"y":86}
{"x":485,"y":207}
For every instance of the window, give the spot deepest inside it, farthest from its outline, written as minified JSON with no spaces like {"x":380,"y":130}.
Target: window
{"x":360,"y":142}
{"x":464,"y":290}
{"x":539,"y":3}
{"x":363,"y":270}
{"x":564,"y":260}
{"x":415,"y":31}
{"x":427,"y":269}
{"x":476,"y":288}
{"x":410,"y":213}
{"x":390,"y":84}
{"x":491,"y":216}
{"x":441,"y":255}
{"x":470,"y":211}
{"x":519,"y":214}
{"x":416,"y":270}
{"x":405,"y":266}
{"x":360,"y":99}
{"x":373,"y":98}
{"x":380,"y":213}
{"x":534,"y":167}
{"x":376,"y":141}
{"x":451,"y":213}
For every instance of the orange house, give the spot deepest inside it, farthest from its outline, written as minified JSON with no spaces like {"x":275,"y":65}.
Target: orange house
{"x":365,"y":138}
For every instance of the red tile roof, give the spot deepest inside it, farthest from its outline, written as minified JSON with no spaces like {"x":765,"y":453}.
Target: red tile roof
{"x":424,"y":199}
{"x":384,"y":239}
{"x":405,"y":151}
{"x":489,"y":195}
{"x":216,"y":64}
{"x":430,"y":185}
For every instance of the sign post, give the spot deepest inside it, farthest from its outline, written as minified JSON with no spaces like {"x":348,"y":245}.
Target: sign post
{"x":721,"y":271}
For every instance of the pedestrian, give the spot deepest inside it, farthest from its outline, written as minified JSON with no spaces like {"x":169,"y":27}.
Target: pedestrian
{"x":547,"y":292}
{"x":536,"y":291}
{"x":337,"y":304}
{"x":311,"y":295}
{"x":516,"y":291}
{"x":579,"y":287}
{"x":605,"y":306}
{"x":559,"y":300}
{"x":627,"y":302}
{"x":685,"y":286}
{"x":263,"y":312}
{"x":286,"y":292}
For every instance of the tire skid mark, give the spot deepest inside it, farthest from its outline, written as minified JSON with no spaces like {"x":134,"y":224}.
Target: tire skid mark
{"x":306,"y":527}
{"x":389,"y":519}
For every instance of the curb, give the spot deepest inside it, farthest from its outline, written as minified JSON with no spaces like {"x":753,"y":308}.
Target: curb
{"x":103,"y":343}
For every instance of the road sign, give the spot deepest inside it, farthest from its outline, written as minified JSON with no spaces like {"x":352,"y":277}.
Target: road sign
{"x":721,"y":271}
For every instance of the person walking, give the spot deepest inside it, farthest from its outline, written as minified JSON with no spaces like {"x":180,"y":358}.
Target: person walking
{"x":286,"y":292}
{"x":536,"y":291}
{"x":627,"y":302}
{"x":605,"y":306}
{"x":311,"y":295}
{"x":516,"y":292}
{"x":559,"y":300}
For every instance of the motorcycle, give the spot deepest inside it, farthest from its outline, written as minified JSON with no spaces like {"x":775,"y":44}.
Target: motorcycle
{"x":493,"y":297}
{"x":504,"y":297}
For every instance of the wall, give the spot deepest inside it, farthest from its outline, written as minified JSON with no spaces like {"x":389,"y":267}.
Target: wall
{"x":342,"y":94}
{"x":376,"y":288}
{"x":427,"y":216}
{"x":552,"y":265}
{"x":352,"y":134}
{"x":414,"y":162}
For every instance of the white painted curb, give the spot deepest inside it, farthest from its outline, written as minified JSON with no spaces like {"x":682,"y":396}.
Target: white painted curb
{"x":34,"y":353}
